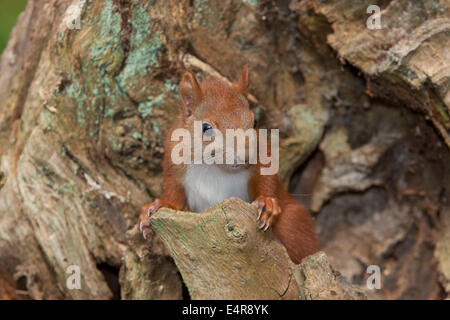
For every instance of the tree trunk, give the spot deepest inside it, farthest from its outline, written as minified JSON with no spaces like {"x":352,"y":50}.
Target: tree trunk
{"x":363,"y":116}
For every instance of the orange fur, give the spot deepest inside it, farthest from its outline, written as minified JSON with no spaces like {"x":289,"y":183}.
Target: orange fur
{"x":225,"y":107}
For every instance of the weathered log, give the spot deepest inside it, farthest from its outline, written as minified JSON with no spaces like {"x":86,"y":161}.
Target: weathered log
{"x":84,"y":113}
{"x":221,"y":254}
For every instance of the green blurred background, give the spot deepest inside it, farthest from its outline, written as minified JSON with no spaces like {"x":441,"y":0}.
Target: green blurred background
{"x":9,"y":12}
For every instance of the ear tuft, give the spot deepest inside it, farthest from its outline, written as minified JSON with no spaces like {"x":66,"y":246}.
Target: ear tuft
{"x":242,"y":84}
{"x":189,"y":92}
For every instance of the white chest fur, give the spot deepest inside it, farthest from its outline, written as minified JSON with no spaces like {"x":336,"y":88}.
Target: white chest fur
{"x":207,"y":185}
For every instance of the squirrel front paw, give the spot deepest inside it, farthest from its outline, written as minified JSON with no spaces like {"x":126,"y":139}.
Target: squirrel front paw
{"x":146,"y":211}
{"x":268,"y":210}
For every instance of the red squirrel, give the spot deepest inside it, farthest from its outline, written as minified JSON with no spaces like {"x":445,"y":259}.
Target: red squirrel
{"x":222,"y":106}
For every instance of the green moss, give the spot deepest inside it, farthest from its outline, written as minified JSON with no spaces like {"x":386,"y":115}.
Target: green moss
{"x":38,"y":174}
{"x":202,"y":11}
{"x":409,"y":74}
{"x":171,"y":87}
{"x":76,"y":92}
{"x":145,"y":47}
{"x":111,"y":108}
{"x":115,"y":144}
{"x":155,"y":126}
{"x":443,"y":112}
{"x":105,"y":59}
{"x":106,"y":50}
{"x":257,"y":112}
{"x":75,"y":168}
{"x":146,"y":108}
{"x":136,"y":135}
{"x":308,"y":117}
{"x":304,"y":119}
{"x":237,"y":234}
{"x":252,"y":2}
{"x":48,"y":119}
{"x":146,"y":142}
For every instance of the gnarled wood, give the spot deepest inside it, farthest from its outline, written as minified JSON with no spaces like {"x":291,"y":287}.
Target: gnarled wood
{"x":221,"y":254}
{"x":84,"y":113}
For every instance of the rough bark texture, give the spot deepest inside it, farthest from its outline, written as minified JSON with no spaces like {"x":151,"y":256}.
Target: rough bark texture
{"x":221,"y":254}
{"x":318,"y":280}
{"x":363,"y":115}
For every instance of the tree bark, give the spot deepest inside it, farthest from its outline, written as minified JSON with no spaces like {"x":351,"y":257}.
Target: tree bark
{"x":363,"y":116}
{"x":221,"y":254}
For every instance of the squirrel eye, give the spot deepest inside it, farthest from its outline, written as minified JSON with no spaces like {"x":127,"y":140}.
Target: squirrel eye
{"x":206,"y":127}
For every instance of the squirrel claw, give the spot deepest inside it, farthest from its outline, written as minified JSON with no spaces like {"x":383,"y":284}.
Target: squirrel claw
{"x":146,"y":212}
{"x":260,"y":210}
{"x":156,"y":205}
{"x":268,"y":210}
{"x":264,"y":226}
{"x":144,"y":226}
{"x":144,"y":222}
{"x":146,"y":232}
{"x":261,"y":206}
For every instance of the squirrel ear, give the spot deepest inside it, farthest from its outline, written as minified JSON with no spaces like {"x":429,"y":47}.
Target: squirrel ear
{"x":242,"y":84}
{"x":190,"y":92}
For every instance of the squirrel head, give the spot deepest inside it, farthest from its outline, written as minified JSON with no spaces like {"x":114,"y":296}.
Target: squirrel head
{"x":216,"y":103}
{"x":215,"y":100}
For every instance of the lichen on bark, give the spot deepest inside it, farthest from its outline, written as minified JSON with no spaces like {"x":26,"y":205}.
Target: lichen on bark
{"x":363,"y":118}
